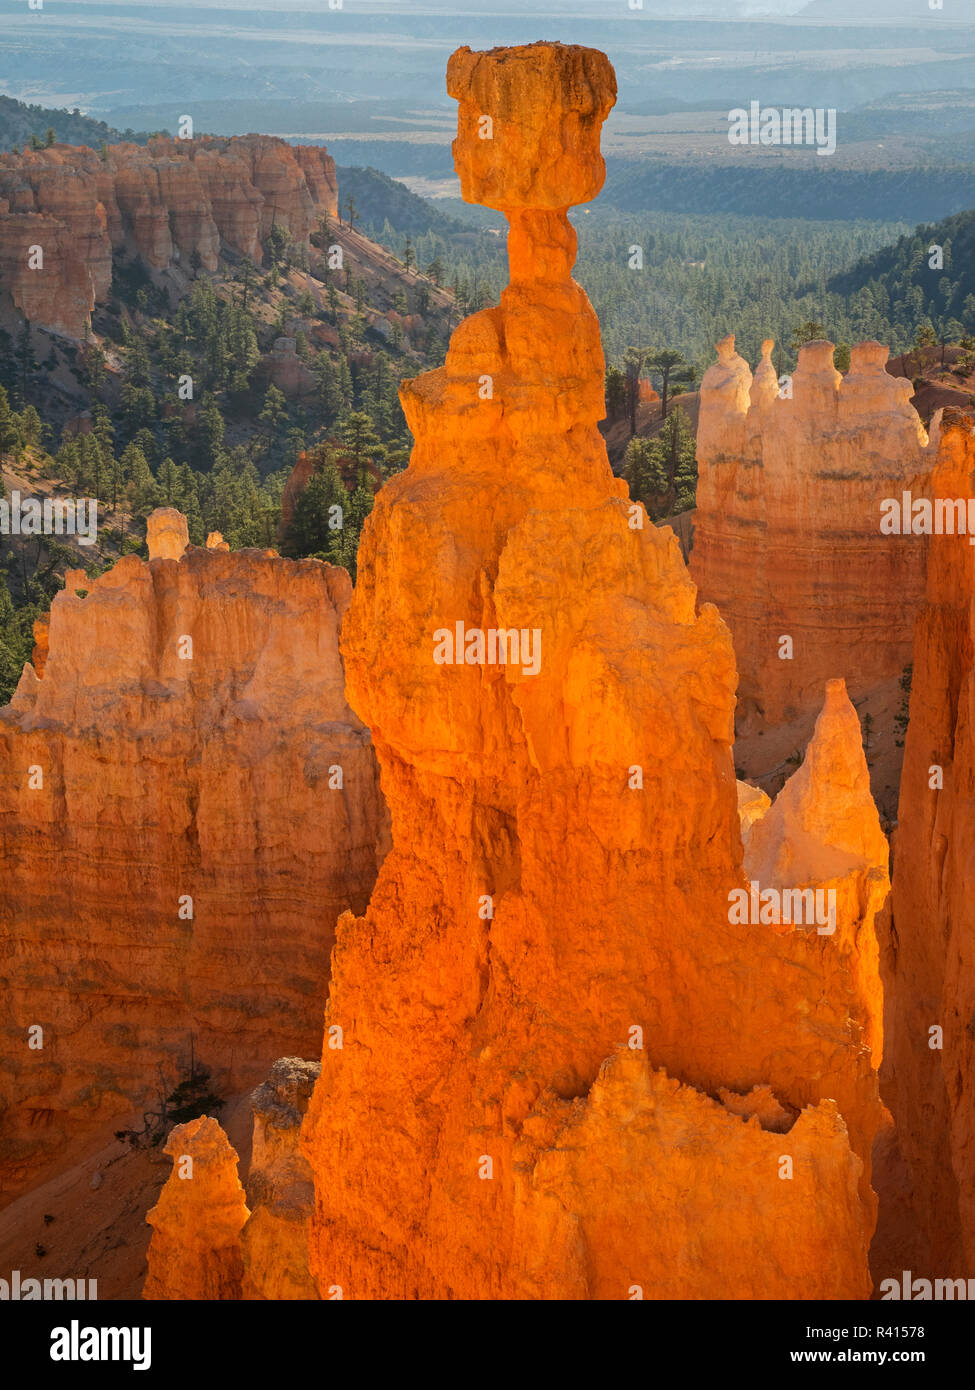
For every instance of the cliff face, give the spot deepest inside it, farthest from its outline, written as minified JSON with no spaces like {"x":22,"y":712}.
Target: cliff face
{"x":930,"y":1080}
{"x":162,"y":202}
{"x":548,"y":986}
{"x":188,"y":805}
{"x":787,"y":537}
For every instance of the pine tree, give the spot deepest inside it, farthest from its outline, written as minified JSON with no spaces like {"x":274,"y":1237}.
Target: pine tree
{"x":363,"y":444}
{"x":9,"y":432}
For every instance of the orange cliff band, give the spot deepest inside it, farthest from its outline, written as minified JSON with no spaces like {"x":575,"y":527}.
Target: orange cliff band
{"x":164,"y":202}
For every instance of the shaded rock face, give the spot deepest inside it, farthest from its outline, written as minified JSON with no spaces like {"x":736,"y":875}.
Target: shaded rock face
{"x":280,"y":1190}
{"x":930,"y":959}
{"x":162,"y":202}
{"x":787,"y":538}
{"x":188,"y":804}
{"x":547,"y":999}
{"x":195,"y":1250}
{"x":284,"y":369}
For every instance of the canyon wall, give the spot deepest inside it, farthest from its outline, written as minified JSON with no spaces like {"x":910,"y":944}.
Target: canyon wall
{"x":787,"y":538}
{"x":188,"y":804}
{"x":554,"y":1065}
{"x":164,"y":202}
{"x":929,"y":1080}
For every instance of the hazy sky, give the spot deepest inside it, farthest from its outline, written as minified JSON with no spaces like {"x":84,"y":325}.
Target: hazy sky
{"x":684,"y":9}
{"x":843,"y":11}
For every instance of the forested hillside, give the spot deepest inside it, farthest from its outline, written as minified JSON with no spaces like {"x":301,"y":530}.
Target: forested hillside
{"x":902,"y":278}
{"x":378,"y":200}
{"x":21,"y":125}
{"x":701,"y":278}
{"x":206,"y":405}
{"x":816,"y":191}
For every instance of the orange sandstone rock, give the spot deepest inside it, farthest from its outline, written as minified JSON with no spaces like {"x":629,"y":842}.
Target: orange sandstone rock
{"x":581,"y":1182}
{"x":787,"y":538}
{"x":752,"y":805}
{"x":279,"y":1187}
{"x":547,"y":988}
{"x":195,"y":1250}
{"x":167,"y":534}
{"x":822,"y":837}
{"x":41,"y":631}
{"x":929,"y":1076}
{"x":75,"y":581}
{"x":164,"y":202}
{"x":188,"y":805}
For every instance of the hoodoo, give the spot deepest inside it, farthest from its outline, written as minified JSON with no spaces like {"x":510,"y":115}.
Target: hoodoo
{"x":553,"y":1067}
{"x":195,"y":1250}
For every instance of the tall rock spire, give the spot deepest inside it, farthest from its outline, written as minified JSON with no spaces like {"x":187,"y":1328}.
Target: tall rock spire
{"x":547,"y":988}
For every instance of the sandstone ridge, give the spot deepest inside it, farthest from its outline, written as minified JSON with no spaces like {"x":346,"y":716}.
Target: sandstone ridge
{"x":929,"y":1081}
{"x":166,"y":202}
{"x":787,"y":533}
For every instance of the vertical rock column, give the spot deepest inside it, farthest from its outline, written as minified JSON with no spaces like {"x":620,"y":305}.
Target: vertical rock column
{"x":279,"y":1187}
{"x":527,"y":1030}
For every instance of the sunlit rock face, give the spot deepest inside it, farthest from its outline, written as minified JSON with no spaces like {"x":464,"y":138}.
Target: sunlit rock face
{"x":930,"y":1066}
{"x":166,"y":202}
{"x":547,"y":1008}
{"x":188,"y":804}
{"x":167,"y":534}
{"x":195,"y":1250}
{"x":788,"y":540}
